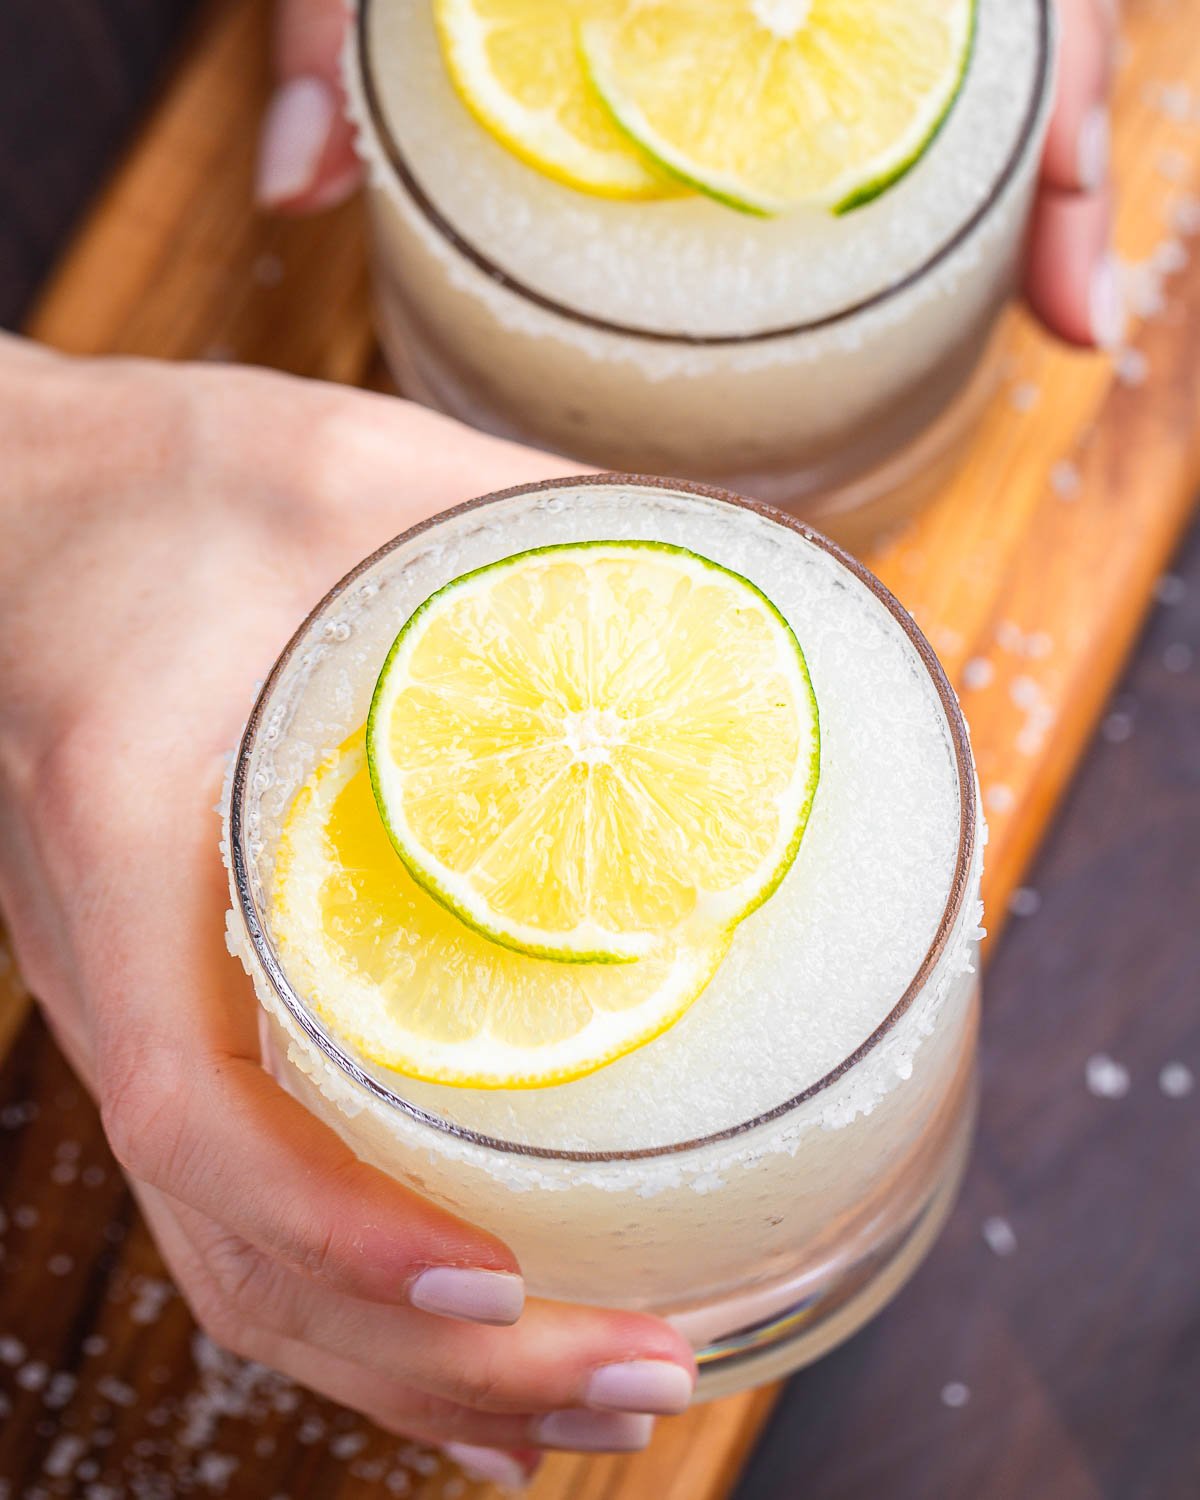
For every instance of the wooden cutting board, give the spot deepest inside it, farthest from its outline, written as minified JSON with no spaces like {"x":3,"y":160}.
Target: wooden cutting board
{"x":1031,"y":573}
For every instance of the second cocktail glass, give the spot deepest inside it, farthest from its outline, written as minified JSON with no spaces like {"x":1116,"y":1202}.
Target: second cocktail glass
{"x":828,"y":364}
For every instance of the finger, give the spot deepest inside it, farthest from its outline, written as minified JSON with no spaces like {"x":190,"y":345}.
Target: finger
{"x":1077,"y":143}
{"x":189,"y":1110}
{"x":307,"y":159}
{"x":1072,"y":279}
{"x":181,"y":1237}
{"x":558,"y":1357}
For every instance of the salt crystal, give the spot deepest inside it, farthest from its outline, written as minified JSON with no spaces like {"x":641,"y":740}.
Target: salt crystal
{"x":152,"y":1295}
{"x":1039,"y":645}
{"x":1176,"y":1080}
{"x":1024,"y":902}
{"x":92,"y":1176}
{"x":33,"y":1376}
{"x":1185,"y":216}
{"x":60,"y":1265}
{"x":1170,"y":257}
{"x":1117,"y":728}
{"x":63,"y":1173}
{"x":977,"y":673}
{"x":347,"y":1444}
{"x":268,"y":270}
{"x":1172,"y":165}
{"x":61,"y":1388}
{"x":25,"y":1217}
{"x":1024,"y":395}
{"x":1065,"y":479}
{"x":12,"y":1351}
{"x":955,"y":1394}
{"x":1105,"y":1078}
{"x":1000,"y":798}
{"x":94,"y":1344}
{"x":1025,"y":692}
{"x":1170,"y":589}
{"x":998,"y":1235}
{"x":64,"y":1455}
{"x":1178,"y":658}
{"x":214,"y":1470}
{"x":1132,"y":367}
{"x":116,"y":1391}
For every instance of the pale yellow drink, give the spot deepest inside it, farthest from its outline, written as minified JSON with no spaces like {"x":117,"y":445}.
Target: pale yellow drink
{"x":770,"y":1168}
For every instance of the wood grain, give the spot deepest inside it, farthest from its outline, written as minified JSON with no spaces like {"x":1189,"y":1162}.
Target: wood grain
{"x":1063,"y":1298}
{"x":1030,"y":574}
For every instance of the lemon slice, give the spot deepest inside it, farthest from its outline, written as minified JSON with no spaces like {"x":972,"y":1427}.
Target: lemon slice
{"x":399,"y":978}
{"x":767,"y":104}
{"x":589,"y":750}
{"x":516,"y":65}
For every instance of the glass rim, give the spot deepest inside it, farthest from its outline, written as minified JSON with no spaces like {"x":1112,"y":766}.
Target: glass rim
{"x":264,"y":949}
{"x":496,"y":273}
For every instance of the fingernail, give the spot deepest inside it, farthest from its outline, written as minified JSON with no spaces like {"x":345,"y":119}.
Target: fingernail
{"x":1093,"y":149}
{"x":594,"y":1431}
{"x":474,"y":1296}
{"x":640,"y":1385}
{"x":294,"y":135}
{"x":1106,"y":304}
{"x":490,"y":1464}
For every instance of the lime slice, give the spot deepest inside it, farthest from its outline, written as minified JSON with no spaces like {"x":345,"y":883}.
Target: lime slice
{"x":767,"y":104}
{"x":397,"y":977}
{"x":516,"y":65}
{"x":590,"y":751}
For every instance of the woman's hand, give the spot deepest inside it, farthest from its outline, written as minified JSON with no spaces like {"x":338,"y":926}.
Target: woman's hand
{"x":307,"y":159}
{"x":162,"y":531}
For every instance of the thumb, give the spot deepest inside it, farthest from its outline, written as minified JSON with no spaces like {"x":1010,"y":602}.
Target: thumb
{"x":306,"y":158}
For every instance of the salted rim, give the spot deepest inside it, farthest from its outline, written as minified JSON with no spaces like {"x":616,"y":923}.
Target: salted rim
{"x":499,"y":275}
{"x":256,"y":926}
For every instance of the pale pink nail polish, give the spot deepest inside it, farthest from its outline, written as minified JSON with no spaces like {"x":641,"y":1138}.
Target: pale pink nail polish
{"x":1093,"y":149}
{"x":490,"y":1464}
{"x":474,"y":1296}
{"x":294,"y":136}
{"x":594,"y":1431}
{"x":640,"y":1385}
{"x":1106,"y":304}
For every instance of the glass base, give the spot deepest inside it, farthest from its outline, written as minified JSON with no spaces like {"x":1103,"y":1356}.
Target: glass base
{"x":812,"y":1320}
{"x":859,"y":511}
{"x":870,"y":486}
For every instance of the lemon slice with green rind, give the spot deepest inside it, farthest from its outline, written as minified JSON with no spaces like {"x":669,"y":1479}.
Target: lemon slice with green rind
{"x":397,"y":977}
{"x":598,"y":751}
{"x":769,"y":104}
{"x":516,"y":65}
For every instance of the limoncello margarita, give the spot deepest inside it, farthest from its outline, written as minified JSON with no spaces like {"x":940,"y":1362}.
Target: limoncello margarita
{"x":823,"y":360}
{"x":767,"y":1156}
